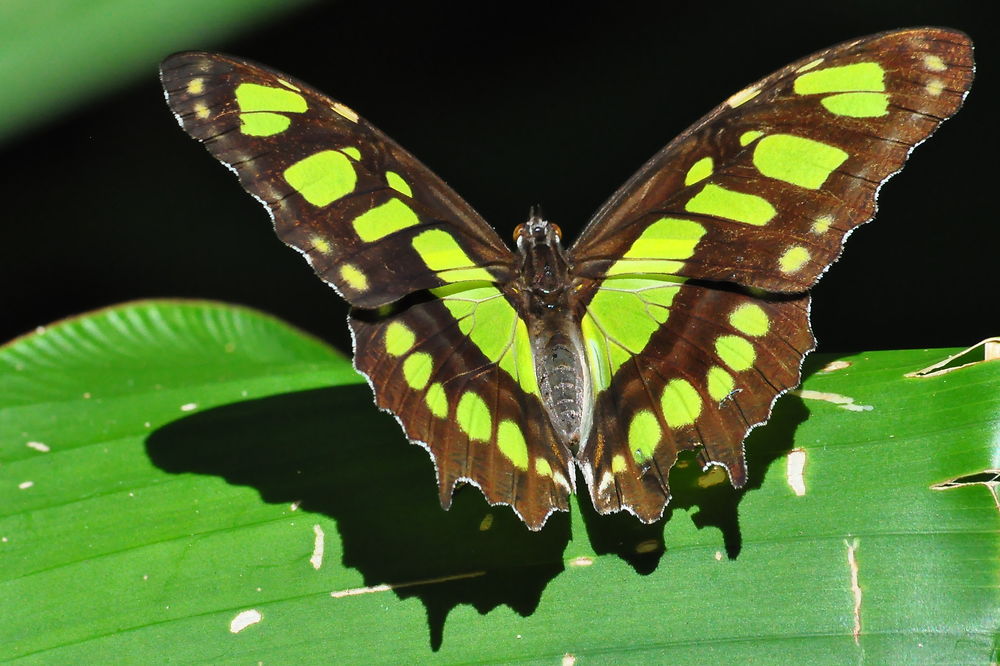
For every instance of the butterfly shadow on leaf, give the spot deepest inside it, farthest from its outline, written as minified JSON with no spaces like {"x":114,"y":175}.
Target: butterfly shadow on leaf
{"x":330,"y":452}
{"x":709,"y":491}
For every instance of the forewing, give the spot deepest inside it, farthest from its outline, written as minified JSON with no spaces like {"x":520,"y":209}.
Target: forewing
{"x":455,"y":367}
{"x":371,"y":220}
{"x":764,"y":189}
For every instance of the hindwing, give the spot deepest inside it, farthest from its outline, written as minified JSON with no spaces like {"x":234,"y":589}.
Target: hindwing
{"x":456,"y":369}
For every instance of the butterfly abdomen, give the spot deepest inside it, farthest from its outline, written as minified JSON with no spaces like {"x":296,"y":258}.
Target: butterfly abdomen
{"x":563,"y":386}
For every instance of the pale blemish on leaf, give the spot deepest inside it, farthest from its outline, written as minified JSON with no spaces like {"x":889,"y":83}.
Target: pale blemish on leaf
{"x":988,"y":477}
{"x":38,"y":446}
{"x":582,"y":561}
{"x":842,"y":401}
{"x":189,"y":407}
{"x":385,"y":587}
{"x":794,"y":468}
{"x":24,"y":485}
{"x":568,"y":659}
{"x":991,"y":352}
{"x":244,"y":619}
{"x":319,"y":537}
{"x":852,"y":563}
{"x":833,"y":366}
{"x":648,"y":546}
{"x":718,"y":556}
{"x":294,"y":506}
{"x":712,"y":477}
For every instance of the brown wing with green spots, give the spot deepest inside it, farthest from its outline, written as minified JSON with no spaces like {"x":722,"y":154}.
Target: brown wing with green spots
{"x":457,"y":373}
{"x":763,"y":190}
{"x":707,"y":376}
{"x":753,"y":201}
{"x":370,"y":219}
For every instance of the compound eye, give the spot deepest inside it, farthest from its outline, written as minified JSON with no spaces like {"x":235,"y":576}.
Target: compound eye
{"x":517,"y":231}
{"x":556,"y":229}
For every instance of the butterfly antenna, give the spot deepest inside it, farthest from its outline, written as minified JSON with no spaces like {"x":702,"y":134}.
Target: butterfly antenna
{"x":535,"y":212}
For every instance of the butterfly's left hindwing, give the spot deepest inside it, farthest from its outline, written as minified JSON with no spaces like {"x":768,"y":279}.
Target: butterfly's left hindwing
{"x":457,"y":372}
{"x":371,"y":220}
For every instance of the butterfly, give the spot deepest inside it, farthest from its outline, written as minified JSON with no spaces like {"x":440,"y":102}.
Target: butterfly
{"x":673,"y":322}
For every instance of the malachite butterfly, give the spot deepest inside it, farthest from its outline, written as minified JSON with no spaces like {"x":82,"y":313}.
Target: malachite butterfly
{"x":673,"y":322}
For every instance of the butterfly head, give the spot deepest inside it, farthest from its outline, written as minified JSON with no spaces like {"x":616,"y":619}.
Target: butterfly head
{"x":543,"y":263}
{"x":537,"y":231}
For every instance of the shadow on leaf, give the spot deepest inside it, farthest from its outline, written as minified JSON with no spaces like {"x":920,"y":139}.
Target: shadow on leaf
{"x":327,"y":450}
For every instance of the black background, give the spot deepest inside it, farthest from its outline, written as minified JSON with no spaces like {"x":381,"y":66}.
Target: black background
{"x":512,"y":105}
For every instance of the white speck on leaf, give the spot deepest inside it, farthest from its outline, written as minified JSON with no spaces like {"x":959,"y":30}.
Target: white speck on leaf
{"x":796,"y":465}
{"x":316,"y":559}
{"x":38,"y":446}
{"x":24,"y":485}
{"x":244,"y":620}
{"x":842,"y":401}
{"x":852,"y":563}
{"x":833,"y":366}
{"x":188,"y":407}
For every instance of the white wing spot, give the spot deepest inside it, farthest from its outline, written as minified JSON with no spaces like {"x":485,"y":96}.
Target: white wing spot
{"x":244,"y":620}
{"x":809,"y":65}
{"x":934,"y":63}
{"x":742,"y":97}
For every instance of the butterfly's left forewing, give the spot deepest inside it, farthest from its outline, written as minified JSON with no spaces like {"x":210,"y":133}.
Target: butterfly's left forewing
{"x":371,"y":220}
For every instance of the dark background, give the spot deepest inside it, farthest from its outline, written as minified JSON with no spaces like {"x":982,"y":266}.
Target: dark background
{"x":512,"y":105}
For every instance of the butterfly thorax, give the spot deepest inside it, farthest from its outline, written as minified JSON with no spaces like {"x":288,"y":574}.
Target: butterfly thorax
{"x":554,"y":329}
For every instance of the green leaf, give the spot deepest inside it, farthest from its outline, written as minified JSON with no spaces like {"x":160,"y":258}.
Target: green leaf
{"x":57,"y":54}
{"x":166,"y":466}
